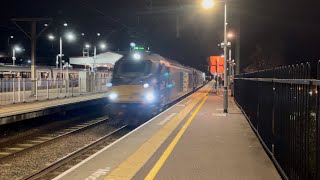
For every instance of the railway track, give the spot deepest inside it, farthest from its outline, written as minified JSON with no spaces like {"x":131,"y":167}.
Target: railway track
{"x":70,"y":160}
{"x":24,"y":145}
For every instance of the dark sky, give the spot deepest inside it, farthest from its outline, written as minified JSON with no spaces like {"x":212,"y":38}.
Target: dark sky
{"x":292,"y":25}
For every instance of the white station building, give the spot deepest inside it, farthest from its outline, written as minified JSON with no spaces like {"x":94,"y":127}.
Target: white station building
{"x":107,"y":59}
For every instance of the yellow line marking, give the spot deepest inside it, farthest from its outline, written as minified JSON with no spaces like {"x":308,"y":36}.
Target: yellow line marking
{"x":152,"y":174}
{"x":45,"y":138}
{"x":15,"y":149}
{"x":129,"y":167}
{"x":25,"y":145}
{"x":37,"y":141}
{"x":4,"y":153}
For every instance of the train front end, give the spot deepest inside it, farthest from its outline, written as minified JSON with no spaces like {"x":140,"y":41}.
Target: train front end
{"x":133,"y":91}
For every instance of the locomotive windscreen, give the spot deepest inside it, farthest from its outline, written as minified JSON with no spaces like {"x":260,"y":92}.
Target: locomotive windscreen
{"x":132,"y":68}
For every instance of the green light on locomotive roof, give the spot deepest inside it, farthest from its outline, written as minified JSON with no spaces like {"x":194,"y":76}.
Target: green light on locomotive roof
{"x":169,"y":86}
{"x":138,"y":48}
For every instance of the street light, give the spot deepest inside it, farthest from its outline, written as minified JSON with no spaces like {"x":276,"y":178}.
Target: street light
{"x":14,"y":50}
{"x":87,"y":46}
{"x":51,"y":37}
{"x":70,"y":36}
{"x":230,"y":35}
{"x":65,"y":24}
{"x":207,"y":4}
{"x":103,"y":46}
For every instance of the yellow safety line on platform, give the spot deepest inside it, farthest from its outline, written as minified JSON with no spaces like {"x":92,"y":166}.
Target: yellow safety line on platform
{"x":128,"y":168}
{"x":154,"y":171}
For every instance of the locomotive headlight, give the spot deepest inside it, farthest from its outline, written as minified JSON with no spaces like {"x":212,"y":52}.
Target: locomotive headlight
{"x":146,"y":85}
{"x":109,"y":85}
{"x":136,"y":56}
{"x":150,"y":97}
{"x":113,"y":96}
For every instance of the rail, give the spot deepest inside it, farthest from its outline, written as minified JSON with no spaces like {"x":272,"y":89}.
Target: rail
{"x":19,"y":90}
{"x":282,"y":106}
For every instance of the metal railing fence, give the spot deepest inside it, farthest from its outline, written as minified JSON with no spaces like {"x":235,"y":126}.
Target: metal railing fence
{"x":282,"y":105}
{"x":19,"y":90}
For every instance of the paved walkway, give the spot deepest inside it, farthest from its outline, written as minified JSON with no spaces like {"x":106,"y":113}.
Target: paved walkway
{"x":213,"y":146}
{"x":193,"y":139}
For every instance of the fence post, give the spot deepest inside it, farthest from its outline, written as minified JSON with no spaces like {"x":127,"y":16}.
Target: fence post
{"x":58,"y":92}
{"x":72,"y":82}
{"x":36,"y":89}
{"x":80,"y":86}
{"x":66,"y":94}
{"x":13,"y":92}
{"x":19,"y":89}
{"x":47,"y":88}
{"x":24,"y":90}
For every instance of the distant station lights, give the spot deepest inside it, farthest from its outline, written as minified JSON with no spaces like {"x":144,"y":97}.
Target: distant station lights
{"x":65,"y":24}
{"x":98,"y":34}
{"x":87,"y":45}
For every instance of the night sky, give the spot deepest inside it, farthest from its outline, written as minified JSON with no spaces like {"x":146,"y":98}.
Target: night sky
{"x":287,"y":32}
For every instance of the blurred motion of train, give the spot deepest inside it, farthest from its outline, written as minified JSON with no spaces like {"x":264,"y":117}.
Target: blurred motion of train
{"x":144,"y":83}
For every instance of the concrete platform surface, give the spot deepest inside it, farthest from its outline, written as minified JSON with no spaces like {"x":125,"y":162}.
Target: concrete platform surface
{"x":216,"y":146}
{"x":9,"y":113}
{"x":191,"y":140}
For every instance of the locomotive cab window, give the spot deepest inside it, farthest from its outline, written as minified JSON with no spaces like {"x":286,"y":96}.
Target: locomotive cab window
{"x":133,"y":68}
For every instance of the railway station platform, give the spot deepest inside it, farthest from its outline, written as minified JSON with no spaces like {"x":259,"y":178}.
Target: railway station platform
{"x":23,"y":111}
{"x":193,"y":139}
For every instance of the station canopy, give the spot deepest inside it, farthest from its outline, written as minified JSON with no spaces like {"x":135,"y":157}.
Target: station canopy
{"x":107,"y":59}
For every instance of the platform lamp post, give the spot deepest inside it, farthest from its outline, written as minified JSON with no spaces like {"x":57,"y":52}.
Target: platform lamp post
{"x":70,"y":37}
{"x":208,"y":4}
{"x":102,"y":46}
{"x":14,"y":50}
{"x":231,"y":63}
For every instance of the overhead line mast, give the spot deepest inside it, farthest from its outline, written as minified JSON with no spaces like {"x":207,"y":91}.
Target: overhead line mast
{"x":33,"y":37}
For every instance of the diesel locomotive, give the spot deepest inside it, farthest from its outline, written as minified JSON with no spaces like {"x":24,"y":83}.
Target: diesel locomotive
{"x":143,"y":83}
